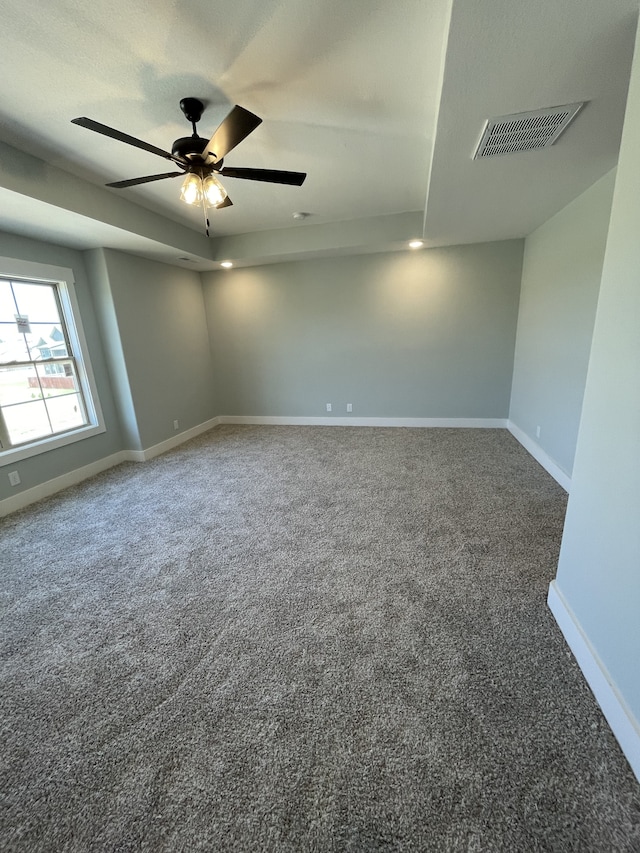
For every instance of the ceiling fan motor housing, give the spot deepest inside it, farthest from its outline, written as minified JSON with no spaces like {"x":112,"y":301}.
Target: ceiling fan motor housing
{"x":189,"y":147}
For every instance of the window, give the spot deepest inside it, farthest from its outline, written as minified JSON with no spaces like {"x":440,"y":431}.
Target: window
{"x":47,"y":394}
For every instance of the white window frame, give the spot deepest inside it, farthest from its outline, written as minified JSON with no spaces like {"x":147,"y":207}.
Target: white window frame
{"x":11,"y":268}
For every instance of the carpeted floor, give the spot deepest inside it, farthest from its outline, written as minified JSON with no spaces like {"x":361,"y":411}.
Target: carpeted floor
{"x":301,"y":639}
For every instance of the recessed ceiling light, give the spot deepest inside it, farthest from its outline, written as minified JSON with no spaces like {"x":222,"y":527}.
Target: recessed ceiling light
{"x":226,"y":264}
{"x":416,"y":244}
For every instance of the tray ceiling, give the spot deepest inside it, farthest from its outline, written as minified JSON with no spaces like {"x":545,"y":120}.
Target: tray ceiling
{"x":381,"y":103}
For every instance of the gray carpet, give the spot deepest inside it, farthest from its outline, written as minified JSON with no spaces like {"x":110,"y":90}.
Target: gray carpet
{"x":301,"y":639}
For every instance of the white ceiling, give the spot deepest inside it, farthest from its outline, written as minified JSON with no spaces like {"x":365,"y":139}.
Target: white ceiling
{"x":381,"y":102}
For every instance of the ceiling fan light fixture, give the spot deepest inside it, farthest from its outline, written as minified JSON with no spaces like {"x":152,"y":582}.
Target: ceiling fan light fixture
{"x":191,"y":192}
{"x":213,"y":192}
{"x":199,"y":159}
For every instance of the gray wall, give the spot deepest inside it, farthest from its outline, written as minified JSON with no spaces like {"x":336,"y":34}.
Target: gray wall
{"x":108,"y":323}
{"x":599,"y":569}
{"x":561,"y":276}
{"x":149,"y":346}
{"x":54,"y":463}
{"x":410,"y":334}
{"x":163,"y":343}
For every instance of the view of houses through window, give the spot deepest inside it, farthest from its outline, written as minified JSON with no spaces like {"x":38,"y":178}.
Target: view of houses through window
{"x":40,"y":392}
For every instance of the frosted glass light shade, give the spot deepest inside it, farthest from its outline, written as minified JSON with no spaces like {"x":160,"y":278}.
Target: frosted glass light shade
{"x":191,"y":191}
{"x":213,"y":191}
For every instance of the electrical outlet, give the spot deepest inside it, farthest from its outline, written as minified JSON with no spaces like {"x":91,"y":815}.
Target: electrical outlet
{"x":349,"y":407}
{"x":328,"y":407}
{"x":14,"y":478}
{"x":176,"y":425}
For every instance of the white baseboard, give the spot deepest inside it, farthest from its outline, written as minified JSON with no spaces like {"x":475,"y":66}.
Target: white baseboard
{"x":72,"y":478}
{"x":29,"y":496}
{"x":471,"y":423}
{"x":50,"y":487}
{"x":559,"y":475}
{"x":624,"y":726}
{"x":170,"y":443}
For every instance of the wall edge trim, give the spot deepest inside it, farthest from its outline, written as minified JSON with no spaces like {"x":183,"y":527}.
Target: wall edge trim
{"x":77,"y":475}
{"x":625,"y":728}
{"x":550,"y":466}
{"x":266,"y":420}
{"x":58,"y":484}
{"x":170,"y":443}
{"x":71,"y":478}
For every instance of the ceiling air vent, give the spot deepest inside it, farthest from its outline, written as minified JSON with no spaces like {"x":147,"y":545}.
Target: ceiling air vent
{"x":525,"y":131}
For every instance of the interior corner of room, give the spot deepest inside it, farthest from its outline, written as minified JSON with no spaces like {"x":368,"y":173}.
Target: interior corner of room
{"x":335,"y":322}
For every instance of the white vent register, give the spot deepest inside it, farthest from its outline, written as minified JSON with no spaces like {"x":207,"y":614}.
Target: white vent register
{"x":525,"y":131}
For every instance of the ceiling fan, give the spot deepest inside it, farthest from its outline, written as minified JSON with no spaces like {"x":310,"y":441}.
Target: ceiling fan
{"x":201,"y":160}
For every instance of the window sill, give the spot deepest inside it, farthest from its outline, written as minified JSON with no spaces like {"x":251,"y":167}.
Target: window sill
{"x":44,"y":445}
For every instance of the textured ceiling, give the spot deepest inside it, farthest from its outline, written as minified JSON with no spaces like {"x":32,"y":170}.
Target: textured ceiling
{"x":380,"y":102}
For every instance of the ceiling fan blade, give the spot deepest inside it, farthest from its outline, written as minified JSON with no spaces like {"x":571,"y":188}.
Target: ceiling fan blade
{"x":105,"y":130}
{"x":132,"y":182}
{"x":226,"y":203}
{"x":235,"y":127}
{"x":271,"y":176}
